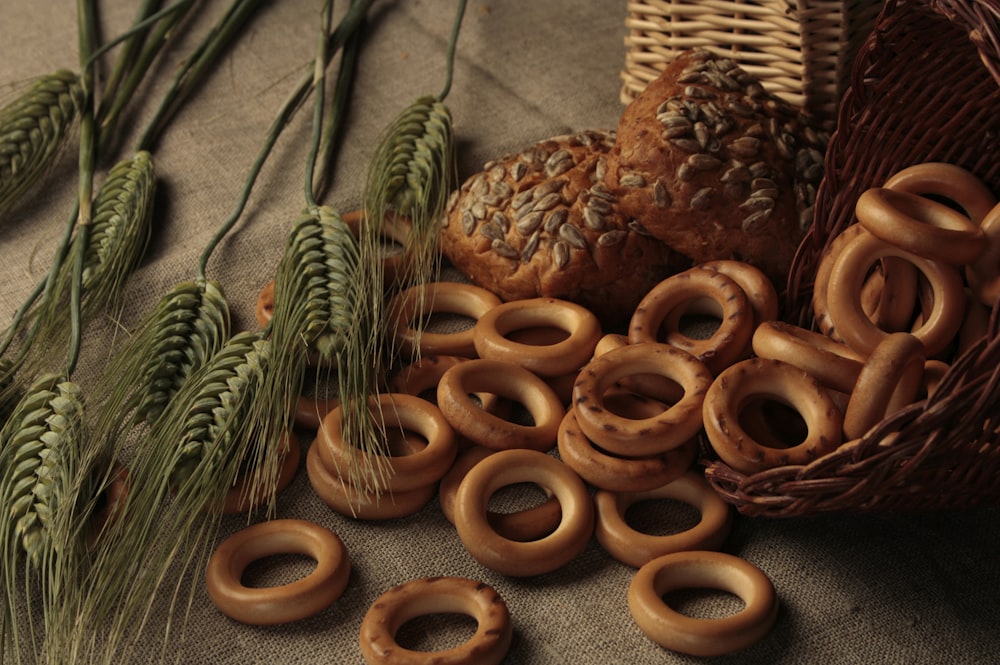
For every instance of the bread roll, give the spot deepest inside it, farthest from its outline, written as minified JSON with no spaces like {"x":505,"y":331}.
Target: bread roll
{"x":715,"y":167}
{"x":543,"y":223}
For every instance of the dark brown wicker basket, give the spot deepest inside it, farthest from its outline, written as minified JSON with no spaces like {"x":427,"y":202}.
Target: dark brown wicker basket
{"x":926,"y":87}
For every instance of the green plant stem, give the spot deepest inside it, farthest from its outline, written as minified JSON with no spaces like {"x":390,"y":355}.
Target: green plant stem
{"x":319,"y":95}
{"x":452,"y":43}
{"x":131,"y":47}
{"x":199,"y":66}
{"x":134,"y":62}
{"x":348,"y":24}
{"x":337,"y":109}
{"x":88,"y":147}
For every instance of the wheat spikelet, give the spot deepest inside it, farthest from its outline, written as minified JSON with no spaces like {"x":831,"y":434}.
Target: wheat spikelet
{"x":182,"y":331}
{"x":411,"y":174}
{"x":38,"y":443}
{"x":196,"y":450}
{"x":33,"y":130}
{"x":121,"y":223}
{"x":321,"y":307}
{"x":416,"y":158}
{"x":110,"y":246}
{"x":213,"y":441}
{"x":315,"y":291}
{"x":39,"y":463}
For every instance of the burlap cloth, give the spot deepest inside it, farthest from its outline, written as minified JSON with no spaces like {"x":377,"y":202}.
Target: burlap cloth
{"x":853,"y":589}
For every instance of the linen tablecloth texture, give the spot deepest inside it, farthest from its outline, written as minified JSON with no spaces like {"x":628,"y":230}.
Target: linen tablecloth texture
{"x":853,"y":589}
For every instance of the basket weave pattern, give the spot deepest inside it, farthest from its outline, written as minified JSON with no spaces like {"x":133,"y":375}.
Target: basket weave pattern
{"x":926,"y":86}
{"x":800,"y":51}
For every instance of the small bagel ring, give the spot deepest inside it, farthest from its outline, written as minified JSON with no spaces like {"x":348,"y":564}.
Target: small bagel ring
{"x":920,"y":226}
{"x":984,"y":273}
{"x":448,"y":297}
{"x":940,"y":325}
{"x":350,"y":501}
{"x":891,"y":378}
{"x":270,"y":606}
{"x":759,"y":289}
{"x":777,"y":380}
{"x":506,"y":380}
{"x":530,"y":524}
{"x":520,"y":559}
{"x":238,"y":499}
{"x":712,"y":570}
{"x":644,"y":436}
{"x":264,"y":309}
{"x":310,"y":411}
{"x":112,"y":493}
{"x":546,"y":360}
{"x":634,"y":548}
{"x":889,"y":295}
{"x":437,"y":595}
{"x":949,"y":181}
{"x":821,"y":308}
{"x":396,"y":229}
{"x":835,"y":365}
{"x":404,"y":472}
{"x":620,"y":474}
{"x":670,"y":298}
{"x":425,"y":374}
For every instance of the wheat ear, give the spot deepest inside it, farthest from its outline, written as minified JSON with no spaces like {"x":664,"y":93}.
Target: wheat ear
{"x":39,"y":462}
{"x":196,"y":450}
{"x":111,"y":245}
{"x":33,"y":130}
{"x":411,"y":174}
{"x":321,"y":308}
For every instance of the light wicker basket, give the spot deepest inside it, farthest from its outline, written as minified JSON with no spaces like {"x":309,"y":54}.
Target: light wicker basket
{"x":800,"y":50}
{"x":925,"y":87}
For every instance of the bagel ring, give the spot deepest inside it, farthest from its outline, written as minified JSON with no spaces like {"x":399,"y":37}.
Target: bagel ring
{"x":835,"y":365}
{"x":696,"y":636}
{"x":891,"y":378}
{"x":529,"y":524}
{"x":949,"y":181}
{"x":405,"y":472}
{"x":437,"y":595}
{"x":632,"y":437}
{"x":506,"y":380}
{"x":821,"y":308}
{"x":984,"y":273}
{"x":776,"y":380}
{"x":520,"y":559}
{"x":759,"y":289}
{"x":238,"y":499}
{"x":268,"y":606}
{"x":889,"y":295}
{"x":621,"y":474}
{"x":939,"y":326}
{"x":658,"y":316}
{"x":920,"y":226}
{"x":634,"y":548}
{"x":424,"y":375}
{"x":458,"y":298}
{"x":546,"y":360}
{"x":349,"y":500}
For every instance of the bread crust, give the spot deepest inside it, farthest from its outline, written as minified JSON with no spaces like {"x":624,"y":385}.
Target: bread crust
{"x":542,"y":222}
{"x":715,"y":167}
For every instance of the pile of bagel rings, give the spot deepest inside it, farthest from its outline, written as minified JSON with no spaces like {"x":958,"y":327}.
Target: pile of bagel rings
{"x":535,"y":392}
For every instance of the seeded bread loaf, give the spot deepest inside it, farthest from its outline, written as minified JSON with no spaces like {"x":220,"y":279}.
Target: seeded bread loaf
{"x":542,"y":223}
{"x":715,"y":167}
